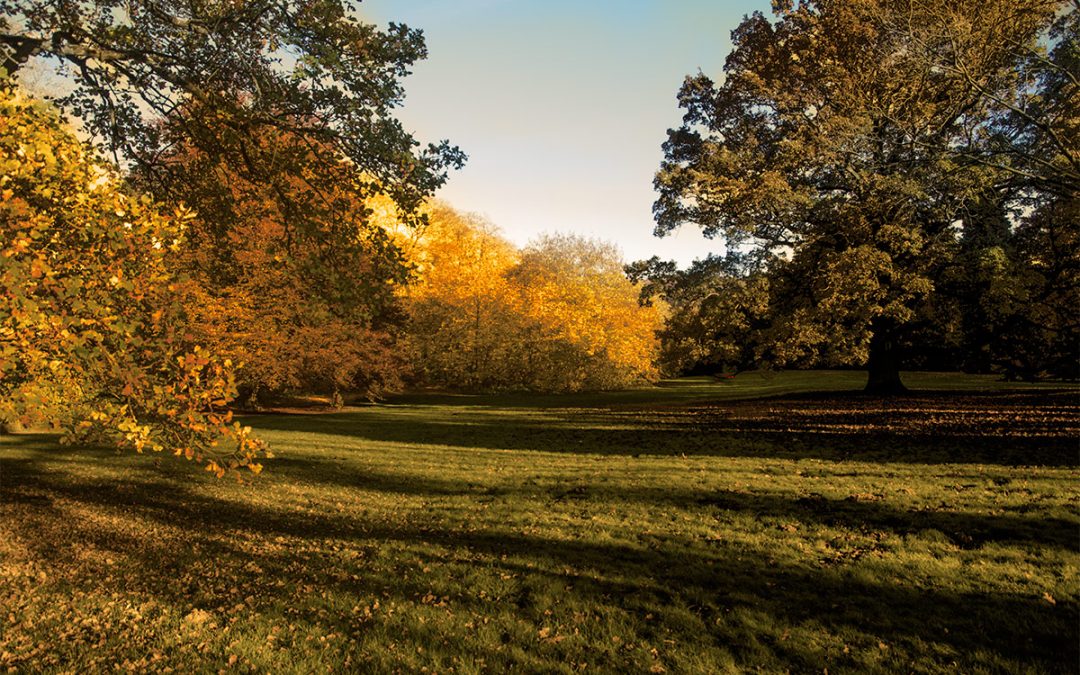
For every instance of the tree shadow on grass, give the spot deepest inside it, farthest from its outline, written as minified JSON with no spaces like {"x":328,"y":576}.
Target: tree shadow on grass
{"x":666,"y":392}
{"x":856,"y":512}
{"x":1008,"y":430}
{"x":717,"y":588}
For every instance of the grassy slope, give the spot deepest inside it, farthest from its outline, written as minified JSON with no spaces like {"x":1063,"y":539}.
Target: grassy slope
{"x":634,"y":531}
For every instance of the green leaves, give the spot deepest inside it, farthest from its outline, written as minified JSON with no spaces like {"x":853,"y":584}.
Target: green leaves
{"x":167,"y":70}
{"x":846,"y":142}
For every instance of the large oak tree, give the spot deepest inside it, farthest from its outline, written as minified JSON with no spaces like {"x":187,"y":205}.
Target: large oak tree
{"x":845,"y":146}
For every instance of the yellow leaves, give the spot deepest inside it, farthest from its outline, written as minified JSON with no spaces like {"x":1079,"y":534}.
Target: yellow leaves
{"x":213,"y":467}
{"x":559,"y":316}
{"x":19,"y":245}
{"x":577,"y":288}
{"x":88,"y":295}
{"x":900,"y":239}
{"x":197,"y":617}
{"x":460,"y":256}
{"x":184,"y":214}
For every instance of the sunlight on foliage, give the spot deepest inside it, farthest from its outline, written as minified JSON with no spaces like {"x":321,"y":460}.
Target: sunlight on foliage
{"x":559,"y":315}
{"x":91,"y":334}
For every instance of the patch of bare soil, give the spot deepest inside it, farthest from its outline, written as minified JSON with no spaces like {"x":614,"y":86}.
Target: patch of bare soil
{"x":1028,"y":415}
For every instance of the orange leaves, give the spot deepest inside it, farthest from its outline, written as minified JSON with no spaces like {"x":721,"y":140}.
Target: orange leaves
{"x":91,"y":313}
{"x":293,"y":282}
{"x":213,"y":467}
{"x":558,"y":316}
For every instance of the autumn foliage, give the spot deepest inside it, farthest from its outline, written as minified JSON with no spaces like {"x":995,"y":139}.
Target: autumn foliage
{"x":92,"y":332}
{"x":293,"y":279}
{"x":559,"y":315}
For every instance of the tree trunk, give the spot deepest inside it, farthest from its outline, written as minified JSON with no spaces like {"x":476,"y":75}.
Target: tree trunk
{"x":883,"y":366}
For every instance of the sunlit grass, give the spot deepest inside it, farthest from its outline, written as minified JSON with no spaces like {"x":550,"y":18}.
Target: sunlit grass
{"x":672,"y":529}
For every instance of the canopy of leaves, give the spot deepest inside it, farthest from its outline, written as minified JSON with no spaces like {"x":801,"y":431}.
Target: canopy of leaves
{"x":845,"y":144}
{"x":557,"y":316}
{"x":312,"y":308}
{"x":91,"y":333}
{"x":220,"y":73}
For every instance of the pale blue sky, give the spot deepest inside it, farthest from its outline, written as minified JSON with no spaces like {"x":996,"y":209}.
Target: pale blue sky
{"x":561,"y":106}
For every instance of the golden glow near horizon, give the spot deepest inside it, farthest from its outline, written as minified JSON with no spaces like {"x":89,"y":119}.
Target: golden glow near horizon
{"x":561,"y":106}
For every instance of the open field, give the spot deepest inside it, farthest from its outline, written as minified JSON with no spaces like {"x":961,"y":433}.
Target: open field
{"x":775,"y":523}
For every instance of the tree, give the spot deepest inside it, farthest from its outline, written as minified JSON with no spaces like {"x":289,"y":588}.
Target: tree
{"x":1018,"y":293}
{"x":556,"y":316}
{"x":465,"y":321}
{"x":91,"y":329}
{"x":315,"y":308}
{"x":1042,"y":337}
{"x":151,"y":71}
{"x":714,"y":309}
{"x":588,"y":331}
{"x":841,"y":151}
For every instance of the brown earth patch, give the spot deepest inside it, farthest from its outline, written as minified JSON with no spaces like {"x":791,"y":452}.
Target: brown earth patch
{"x":1027,"y":415}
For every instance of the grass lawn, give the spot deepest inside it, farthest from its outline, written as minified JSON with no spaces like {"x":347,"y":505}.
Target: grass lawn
{"x":780,"y":524}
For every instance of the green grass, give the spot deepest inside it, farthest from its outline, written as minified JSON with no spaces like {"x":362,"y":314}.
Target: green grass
{"x":700,"y":526}
{"x":748,"y":385}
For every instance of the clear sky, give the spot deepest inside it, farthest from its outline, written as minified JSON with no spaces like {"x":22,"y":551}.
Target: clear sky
{"x":561,"y":106}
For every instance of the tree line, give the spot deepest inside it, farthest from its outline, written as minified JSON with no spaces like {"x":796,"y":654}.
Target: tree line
{"x":137,"y":323}
{"x":558,"y":315}
{"x":894,"y":184}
